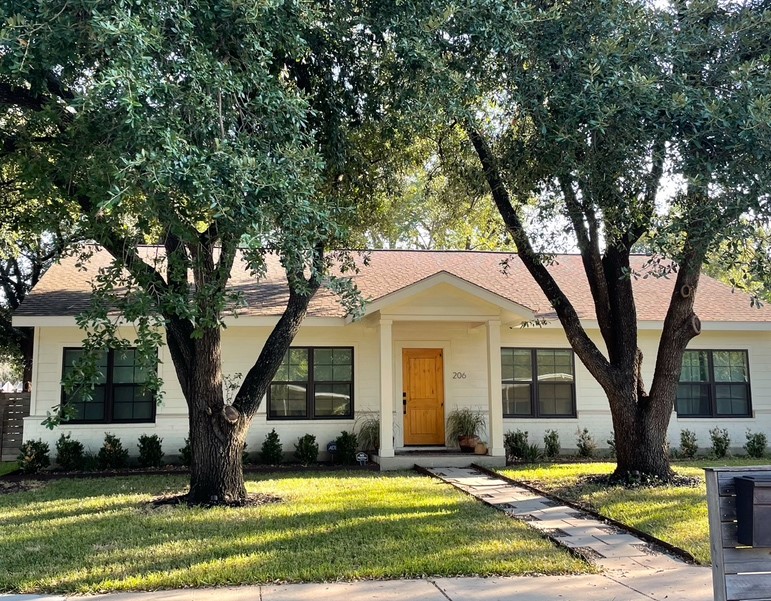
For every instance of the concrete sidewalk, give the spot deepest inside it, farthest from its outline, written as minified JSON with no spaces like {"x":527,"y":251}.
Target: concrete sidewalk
{"x":687,"y":584}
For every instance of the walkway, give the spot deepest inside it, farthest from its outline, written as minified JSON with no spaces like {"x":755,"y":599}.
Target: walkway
{"x":626,"y":560}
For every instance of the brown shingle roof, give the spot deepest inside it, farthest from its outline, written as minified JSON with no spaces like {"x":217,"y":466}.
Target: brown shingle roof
{"x":65,"y":290}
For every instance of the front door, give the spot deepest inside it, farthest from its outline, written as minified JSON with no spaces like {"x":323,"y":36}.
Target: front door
{"x":423,"y":396}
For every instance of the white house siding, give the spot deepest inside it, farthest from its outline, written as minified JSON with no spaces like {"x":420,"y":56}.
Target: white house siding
{"x":464,"y":341}
{"x":241,"y":346}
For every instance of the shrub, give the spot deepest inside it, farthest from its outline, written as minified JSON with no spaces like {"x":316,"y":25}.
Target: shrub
{"x":346,"y":448}
{"x":369,"y":433}
{"x":756,"y":444}
{"x":688,"y":445}
{"x":245,"y":458}
{"x":551,"y":444}
{"x":272,"y":451}
{"x":150,"y":451}
{"x":90,"y":462}
{"x":585,"y":443}
{"x":69,"y":453}
{"x":306,"y":449}
{"x":186,"y":454}
{"x":612,"y":444}
{"x":720,"y":442}
{"x":33,"y":456}
{"x":112,"y":455}
{"x":532,"y":453}
{"x":516,"y":445}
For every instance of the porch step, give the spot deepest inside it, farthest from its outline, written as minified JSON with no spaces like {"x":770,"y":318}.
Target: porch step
{"x":430,"y":459}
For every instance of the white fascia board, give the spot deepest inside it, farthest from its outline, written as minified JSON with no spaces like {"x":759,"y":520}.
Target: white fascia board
{"x":444,"y":277}
{"x":709,"y":326}
{"x":31,"y":321}
{"x":271,"y":320}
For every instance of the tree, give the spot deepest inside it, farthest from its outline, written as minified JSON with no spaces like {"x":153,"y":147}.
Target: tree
{"x":585,"y":108}
{"x":218,"y":129}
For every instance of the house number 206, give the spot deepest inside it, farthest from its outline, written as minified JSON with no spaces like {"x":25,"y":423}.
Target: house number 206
{"x":459,"y":375}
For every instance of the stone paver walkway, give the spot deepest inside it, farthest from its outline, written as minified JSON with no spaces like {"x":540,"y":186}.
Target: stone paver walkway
{"x":625,"y":558}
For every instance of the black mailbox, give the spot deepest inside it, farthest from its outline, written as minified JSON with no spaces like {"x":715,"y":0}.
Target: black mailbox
{"x":753,"y":510}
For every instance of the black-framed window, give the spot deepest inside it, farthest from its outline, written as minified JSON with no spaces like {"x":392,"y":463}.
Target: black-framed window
{"x":538,"y":382}
{"x":118,"y":396}
{"x":313,"y":383}
{"x":714,"y":384}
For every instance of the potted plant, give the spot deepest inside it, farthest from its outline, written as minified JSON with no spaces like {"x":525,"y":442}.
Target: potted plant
{"x":464,"y":426}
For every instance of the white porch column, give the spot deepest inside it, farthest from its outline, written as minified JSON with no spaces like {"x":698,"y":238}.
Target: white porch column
{"x":386,"y":389}
{"x":495,"y":403}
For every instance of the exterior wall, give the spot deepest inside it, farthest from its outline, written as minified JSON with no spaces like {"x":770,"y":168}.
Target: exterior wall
{"x":592,"y":407}
{"x":464,"y":342}
{"x":241,"y":345}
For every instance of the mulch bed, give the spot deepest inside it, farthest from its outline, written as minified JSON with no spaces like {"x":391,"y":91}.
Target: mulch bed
{"x":252,"y":500}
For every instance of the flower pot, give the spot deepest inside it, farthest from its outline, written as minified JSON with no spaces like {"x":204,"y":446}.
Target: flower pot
{"x":467,"y":444}
{"x":480,"y":449}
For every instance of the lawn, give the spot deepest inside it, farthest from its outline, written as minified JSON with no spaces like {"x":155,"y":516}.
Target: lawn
{"x":95,"y":535}
{"x":677,"y":515}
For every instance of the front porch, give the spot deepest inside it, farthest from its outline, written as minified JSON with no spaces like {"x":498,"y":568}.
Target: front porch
{"x":407,"y":459}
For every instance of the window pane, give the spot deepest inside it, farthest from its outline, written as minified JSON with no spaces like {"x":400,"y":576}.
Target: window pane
{"x":555,"y":398}
{"x":287,"y":400}
{"x":298,"y":365}
{"x":516,"y":399}
{"x":730,"y":366}
{"x":332,"y":400}
{"x":332,"y":364}
{"x":693,"y":399}
{"x":555,"y":365}
{"x":732,"y":399}
{"x":516,"y":364}
{"x":695,"y":367}
{"x":124,"y":357}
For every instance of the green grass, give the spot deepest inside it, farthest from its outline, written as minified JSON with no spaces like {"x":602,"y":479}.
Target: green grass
{"x":677,"y":515}
{"x":98,"y":535}
{"x":6,"y":467}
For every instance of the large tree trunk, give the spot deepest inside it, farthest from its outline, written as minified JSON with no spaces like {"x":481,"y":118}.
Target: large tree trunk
{"x":217,"y":430}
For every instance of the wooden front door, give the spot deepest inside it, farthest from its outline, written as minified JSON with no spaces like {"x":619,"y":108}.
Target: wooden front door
{"x":423,"y":396}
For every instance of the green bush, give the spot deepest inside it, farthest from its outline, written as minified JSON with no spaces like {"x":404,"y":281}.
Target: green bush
{"x":688,"y":445}
{"x":515,"y":444}
{"x":272,"y":451}
{"x":551,"y":444}
{"x":756,"y":444}
{"x":33,"y":456}
{"x":346,"y":448}
{"x":150,"y":451}
{"x":721,"y":442}
{"x":69,"y":453}
{"x":306,"y":449}
{"x":585,"y":443}
{"x":186,"y":454}
{"x":245,"y":458}
{"x":90,"y":462}
{"x":532,"y":453}
{"x":112,"y":455}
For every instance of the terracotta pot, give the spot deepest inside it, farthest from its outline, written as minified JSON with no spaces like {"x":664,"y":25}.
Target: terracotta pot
{"x":480,"y":449}
{"x":467,"y":444}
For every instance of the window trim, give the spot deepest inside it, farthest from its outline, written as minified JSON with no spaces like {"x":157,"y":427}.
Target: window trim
{"x":711,"y":384}
{"x":534,"y":405}
{"x":310,"y":407}
{"x":109,"y":396}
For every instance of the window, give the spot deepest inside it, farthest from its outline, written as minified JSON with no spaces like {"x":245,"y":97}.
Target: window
{"x":538,"y":383}
{"x":119,"y":394}
{"x":714,"y":384}
{"x":313,"y":383}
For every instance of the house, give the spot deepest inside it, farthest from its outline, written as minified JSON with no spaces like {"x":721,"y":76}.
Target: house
{"x":442,"y":329}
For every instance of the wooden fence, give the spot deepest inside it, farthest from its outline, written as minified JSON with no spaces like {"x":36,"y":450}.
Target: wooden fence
{"x":14,"y":407}
{"x":739,"y":573}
